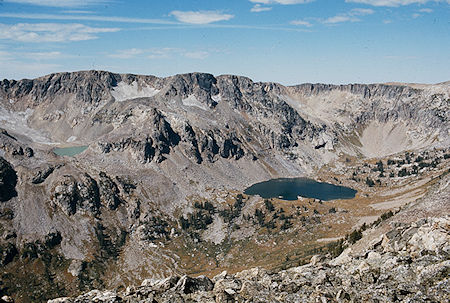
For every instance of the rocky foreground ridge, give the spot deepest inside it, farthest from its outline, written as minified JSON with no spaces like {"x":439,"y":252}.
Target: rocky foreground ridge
{"x":410,"y":263}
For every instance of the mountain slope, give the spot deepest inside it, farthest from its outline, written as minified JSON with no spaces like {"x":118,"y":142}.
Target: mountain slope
{"x":158,"y":191}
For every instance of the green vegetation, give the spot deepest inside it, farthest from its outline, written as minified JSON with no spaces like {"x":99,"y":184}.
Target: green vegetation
{"x":234,"y":211}
{"x":354,"y":236}
{"x":92,"y":272}
{"x":370,"y":182}
{"x":269,"y":206}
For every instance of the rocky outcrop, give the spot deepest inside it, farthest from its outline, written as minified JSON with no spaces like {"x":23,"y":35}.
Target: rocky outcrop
{"x":8,"y":180}
{"x":153,"y":145}
{"x":191,"y":144}
{"x":9,"y":144}
{"x":408,"y":264}
{"x":164,"y":136}
{"x":109,"y":192}
{"x":89,"y":193}
{"x":85,"y":193}
{"x":202,"y":86}
{"x":231,"y":148}
{"x":65,"y":194}
{"x":263,"y":101}
{"x":142,"y":149}
{"x":208,"y":146}
{"x":7,"y":253}
{"x":42,"y":174}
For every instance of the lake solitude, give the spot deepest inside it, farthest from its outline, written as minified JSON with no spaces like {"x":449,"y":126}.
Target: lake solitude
{"x":69,"y":151}
{"x":291,"y":188}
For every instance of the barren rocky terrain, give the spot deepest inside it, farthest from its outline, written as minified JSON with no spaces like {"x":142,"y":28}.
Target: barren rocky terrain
{"x":158,"y":193}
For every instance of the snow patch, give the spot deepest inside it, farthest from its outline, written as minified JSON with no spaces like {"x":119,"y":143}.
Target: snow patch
{"x":192,"y":101}
{"x":217,"y":98}
{"x":16,"y":122}
{"x":125,"y":91}
{"x":71,"y":139}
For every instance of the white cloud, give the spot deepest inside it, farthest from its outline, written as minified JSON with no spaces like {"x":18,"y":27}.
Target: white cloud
{"x":18,"y":69}
{"x":50,"y":32}
{"x":17,"y":65}
{"x":127,"y":53}
{"x":423,"y":10}
{"x":42,"y":55}
{"x":196,"y":55}
{"x":340,"y":19}
{"x":76,"y":11}
{"x":200,"y":17}
{"x":387,"y":21}
{"x":394,"y":3}
{"x":36,"y":56}
{"x":84,"y":18}
{"x":60,"y":3}
{"x":302,"y":23}
{"x":351,"y":16}
{"x":258,"y":8}
{"x":160,"y":53}
{"x":361,"y":11}
{"x":4,"y":55}
{"x":283,"y":2}
{"x":402,"y":57}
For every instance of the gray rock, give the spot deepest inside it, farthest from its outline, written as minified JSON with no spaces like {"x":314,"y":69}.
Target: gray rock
{"x":109,"y":192}
{"x":42,"y":174}
{"x":65,"y":194}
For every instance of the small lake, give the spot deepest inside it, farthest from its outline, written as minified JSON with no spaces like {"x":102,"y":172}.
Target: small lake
{"x":291,"y":188}
{"x":69,"y":151}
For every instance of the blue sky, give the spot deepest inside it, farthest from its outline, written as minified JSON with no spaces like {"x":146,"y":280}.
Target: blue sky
{"x":286,"y":41}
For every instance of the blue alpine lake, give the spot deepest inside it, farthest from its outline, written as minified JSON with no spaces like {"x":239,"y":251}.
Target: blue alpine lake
{"x":291,"y":188}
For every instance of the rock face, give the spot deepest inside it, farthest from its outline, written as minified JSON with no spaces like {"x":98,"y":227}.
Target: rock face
{"x":109,"y":191}
{"x":41,"y":175}
{"x":8,"y":180}
{"x":85,"y":193}
{"x":409,"y":264}
{"x":66,"y":194}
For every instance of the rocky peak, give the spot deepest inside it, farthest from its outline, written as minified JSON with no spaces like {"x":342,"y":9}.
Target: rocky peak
{"x":88,"y":86}
{"x":201,"y":86}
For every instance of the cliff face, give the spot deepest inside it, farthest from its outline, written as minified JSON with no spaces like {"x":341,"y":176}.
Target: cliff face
{"x":135,"y":203}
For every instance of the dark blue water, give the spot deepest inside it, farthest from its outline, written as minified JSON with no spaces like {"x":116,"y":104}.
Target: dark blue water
{"x":291,"y":188}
